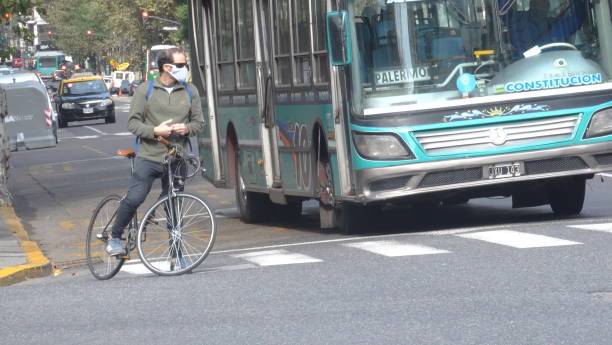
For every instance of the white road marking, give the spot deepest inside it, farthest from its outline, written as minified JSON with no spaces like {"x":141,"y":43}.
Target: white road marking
{"x":605,"y":227}
{"x":137,"y":268}
{"x":82,"y":137}
{"x":604,"y":174}
{"x":518,"y":239}
{"x":95,"y":130}
{"x":123,"y":133}
{"x":276,"y":257}
{"x":395,"y":248}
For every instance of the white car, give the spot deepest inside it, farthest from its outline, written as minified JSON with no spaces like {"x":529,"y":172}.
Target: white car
{"x":24,"y":76}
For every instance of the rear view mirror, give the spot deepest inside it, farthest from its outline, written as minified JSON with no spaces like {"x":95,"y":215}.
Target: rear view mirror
{"x":338,"y":38}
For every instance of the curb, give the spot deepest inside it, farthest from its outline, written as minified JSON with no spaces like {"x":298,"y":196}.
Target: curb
{"x":38,"y":265}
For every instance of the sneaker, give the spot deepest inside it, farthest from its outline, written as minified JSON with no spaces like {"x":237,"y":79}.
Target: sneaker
{"x":178,"y":264}
{"x":113,"y":247}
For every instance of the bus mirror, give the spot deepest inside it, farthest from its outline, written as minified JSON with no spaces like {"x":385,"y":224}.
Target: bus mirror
{"x":338,"y":38}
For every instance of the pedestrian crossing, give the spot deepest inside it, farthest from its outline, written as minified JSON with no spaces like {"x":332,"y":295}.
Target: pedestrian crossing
{"x":401,"y":246}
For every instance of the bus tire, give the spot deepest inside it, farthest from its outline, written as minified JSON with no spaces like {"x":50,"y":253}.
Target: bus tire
{"x":353,"y":218}
{"x":253,"y":207}
{"x":566,"y":196}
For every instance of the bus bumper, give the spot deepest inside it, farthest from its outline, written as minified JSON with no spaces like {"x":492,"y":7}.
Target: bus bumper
{"x":379,"y":184}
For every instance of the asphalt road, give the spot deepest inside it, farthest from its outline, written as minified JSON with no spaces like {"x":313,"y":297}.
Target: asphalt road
{"x":480,"y":273}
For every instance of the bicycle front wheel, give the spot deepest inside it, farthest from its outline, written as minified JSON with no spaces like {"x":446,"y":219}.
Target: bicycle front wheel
{"x":176,"y":234}
{"x":102,"y":265}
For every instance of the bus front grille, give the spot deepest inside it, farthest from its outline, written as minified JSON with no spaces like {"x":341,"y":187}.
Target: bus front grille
{"x":442,"y":178}
{"x":554,"y":165}
{"x":540,"y":131}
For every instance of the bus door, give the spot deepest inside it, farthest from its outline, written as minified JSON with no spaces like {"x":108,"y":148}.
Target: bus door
{"x":265,"y":99}
{"x":202,"y":76}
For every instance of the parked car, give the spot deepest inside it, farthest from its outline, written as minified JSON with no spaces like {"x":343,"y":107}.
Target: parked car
{"x":24,"y":76}
{"x":84,"y":98}
{"x":133,"y":86}
{"x":29,"y":123}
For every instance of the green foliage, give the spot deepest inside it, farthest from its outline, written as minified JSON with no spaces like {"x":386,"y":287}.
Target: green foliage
{"x":118,"y":30}
{"x":17,"y":9}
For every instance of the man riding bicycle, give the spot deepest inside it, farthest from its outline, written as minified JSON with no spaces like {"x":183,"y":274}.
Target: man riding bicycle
{"x":167,"y":107}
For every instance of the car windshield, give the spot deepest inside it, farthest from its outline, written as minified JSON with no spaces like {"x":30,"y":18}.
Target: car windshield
{"x":413,"y":52}
{"x":84,"y":87}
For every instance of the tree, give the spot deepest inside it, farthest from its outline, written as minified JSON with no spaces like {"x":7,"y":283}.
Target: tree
{"x":118,"y":30}
{"x":14,"y":13}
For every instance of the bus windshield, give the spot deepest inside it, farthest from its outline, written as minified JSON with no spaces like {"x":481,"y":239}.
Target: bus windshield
{"x":413,"y":52}
{"x":50,"y":61}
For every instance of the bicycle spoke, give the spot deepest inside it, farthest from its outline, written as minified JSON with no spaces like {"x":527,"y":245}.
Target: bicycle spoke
{"x":188,"y":229}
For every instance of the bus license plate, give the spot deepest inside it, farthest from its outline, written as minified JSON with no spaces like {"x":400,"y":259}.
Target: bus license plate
{"x":87,"y":110}
{"x":504,"y":170}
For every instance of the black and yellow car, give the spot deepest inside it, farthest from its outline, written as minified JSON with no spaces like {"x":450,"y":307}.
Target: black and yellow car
{"x":84,"y":98}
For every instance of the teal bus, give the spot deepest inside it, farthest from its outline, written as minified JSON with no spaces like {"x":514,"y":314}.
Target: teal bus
{"x":151,"y":69}
{"x":365,"y":103}
{"x":48,"y":61}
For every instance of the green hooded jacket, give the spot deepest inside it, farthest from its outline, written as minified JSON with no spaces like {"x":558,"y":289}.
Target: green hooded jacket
{"x":161,"y":106}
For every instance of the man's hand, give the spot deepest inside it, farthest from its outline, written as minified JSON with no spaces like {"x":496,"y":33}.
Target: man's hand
{"x":180,"y":128}
{"x":164,"y":129}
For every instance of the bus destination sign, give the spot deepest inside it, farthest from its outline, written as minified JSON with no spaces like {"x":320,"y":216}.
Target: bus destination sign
{"x":401,"y":75}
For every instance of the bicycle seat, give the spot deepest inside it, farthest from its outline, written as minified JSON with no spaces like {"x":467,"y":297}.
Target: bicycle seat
{"x":127,"y":153}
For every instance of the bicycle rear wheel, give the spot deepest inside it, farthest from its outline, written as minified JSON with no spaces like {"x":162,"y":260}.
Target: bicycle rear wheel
{"x":102,"y":265}
{"x":176,"y":235}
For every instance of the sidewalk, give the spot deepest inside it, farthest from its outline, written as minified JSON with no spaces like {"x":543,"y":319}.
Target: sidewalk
{"x":20,"y":258}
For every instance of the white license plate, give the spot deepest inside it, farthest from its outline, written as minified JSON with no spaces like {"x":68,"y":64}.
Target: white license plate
{"x":504,"y":170}
{"x":87,"y":110}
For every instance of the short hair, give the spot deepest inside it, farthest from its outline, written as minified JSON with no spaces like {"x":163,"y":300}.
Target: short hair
{"x":167,"y":56}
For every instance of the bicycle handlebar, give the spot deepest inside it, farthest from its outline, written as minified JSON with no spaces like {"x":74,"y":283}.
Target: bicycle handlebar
{"x":163,"y":141}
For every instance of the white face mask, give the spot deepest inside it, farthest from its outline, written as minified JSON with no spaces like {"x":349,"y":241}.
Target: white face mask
{"x":179,"y":74}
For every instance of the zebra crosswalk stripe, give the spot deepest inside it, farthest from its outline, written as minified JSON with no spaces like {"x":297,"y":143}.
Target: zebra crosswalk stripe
{"x":604,"y":227}
{"x":395,"y":248}
{"x":276,"y":257}
{"x":517,"y":239}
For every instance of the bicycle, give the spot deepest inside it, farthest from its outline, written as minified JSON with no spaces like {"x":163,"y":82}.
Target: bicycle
{"x":175,"y":235}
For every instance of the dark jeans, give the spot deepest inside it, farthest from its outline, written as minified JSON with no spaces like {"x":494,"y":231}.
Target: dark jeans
{"x":145,"y":173}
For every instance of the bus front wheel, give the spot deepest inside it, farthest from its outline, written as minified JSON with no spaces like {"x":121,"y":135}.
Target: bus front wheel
{"x":566,"y":196}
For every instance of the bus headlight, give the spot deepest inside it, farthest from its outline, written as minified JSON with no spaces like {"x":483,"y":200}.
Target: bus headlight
{"x":106,"y":102}
{"x":600,"y":125}
{"x":381,"y":146}
{"x":68,"y":106}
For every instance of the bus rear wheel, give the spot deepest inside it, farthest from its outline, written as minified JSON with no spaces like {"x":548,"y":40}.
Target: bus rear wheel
{"x":566,"y":196}
{"x":253,"y":207}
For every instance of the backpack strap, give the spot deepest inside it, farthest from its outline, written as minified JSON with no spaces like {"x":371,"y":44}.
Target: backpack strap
{"x":149,"y":91}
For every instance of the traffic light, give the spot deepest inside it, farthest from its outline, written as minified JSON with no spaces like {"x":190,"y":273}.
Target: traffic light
{"x":7,"y":16}
{"x":89,"y":32}
{"x":145,"y":16}
{"x":49,"y":32}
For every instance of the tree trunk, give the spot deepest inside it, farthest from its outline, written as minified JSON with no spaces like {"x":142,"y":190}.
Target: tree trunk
{"x":5,"y":195}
